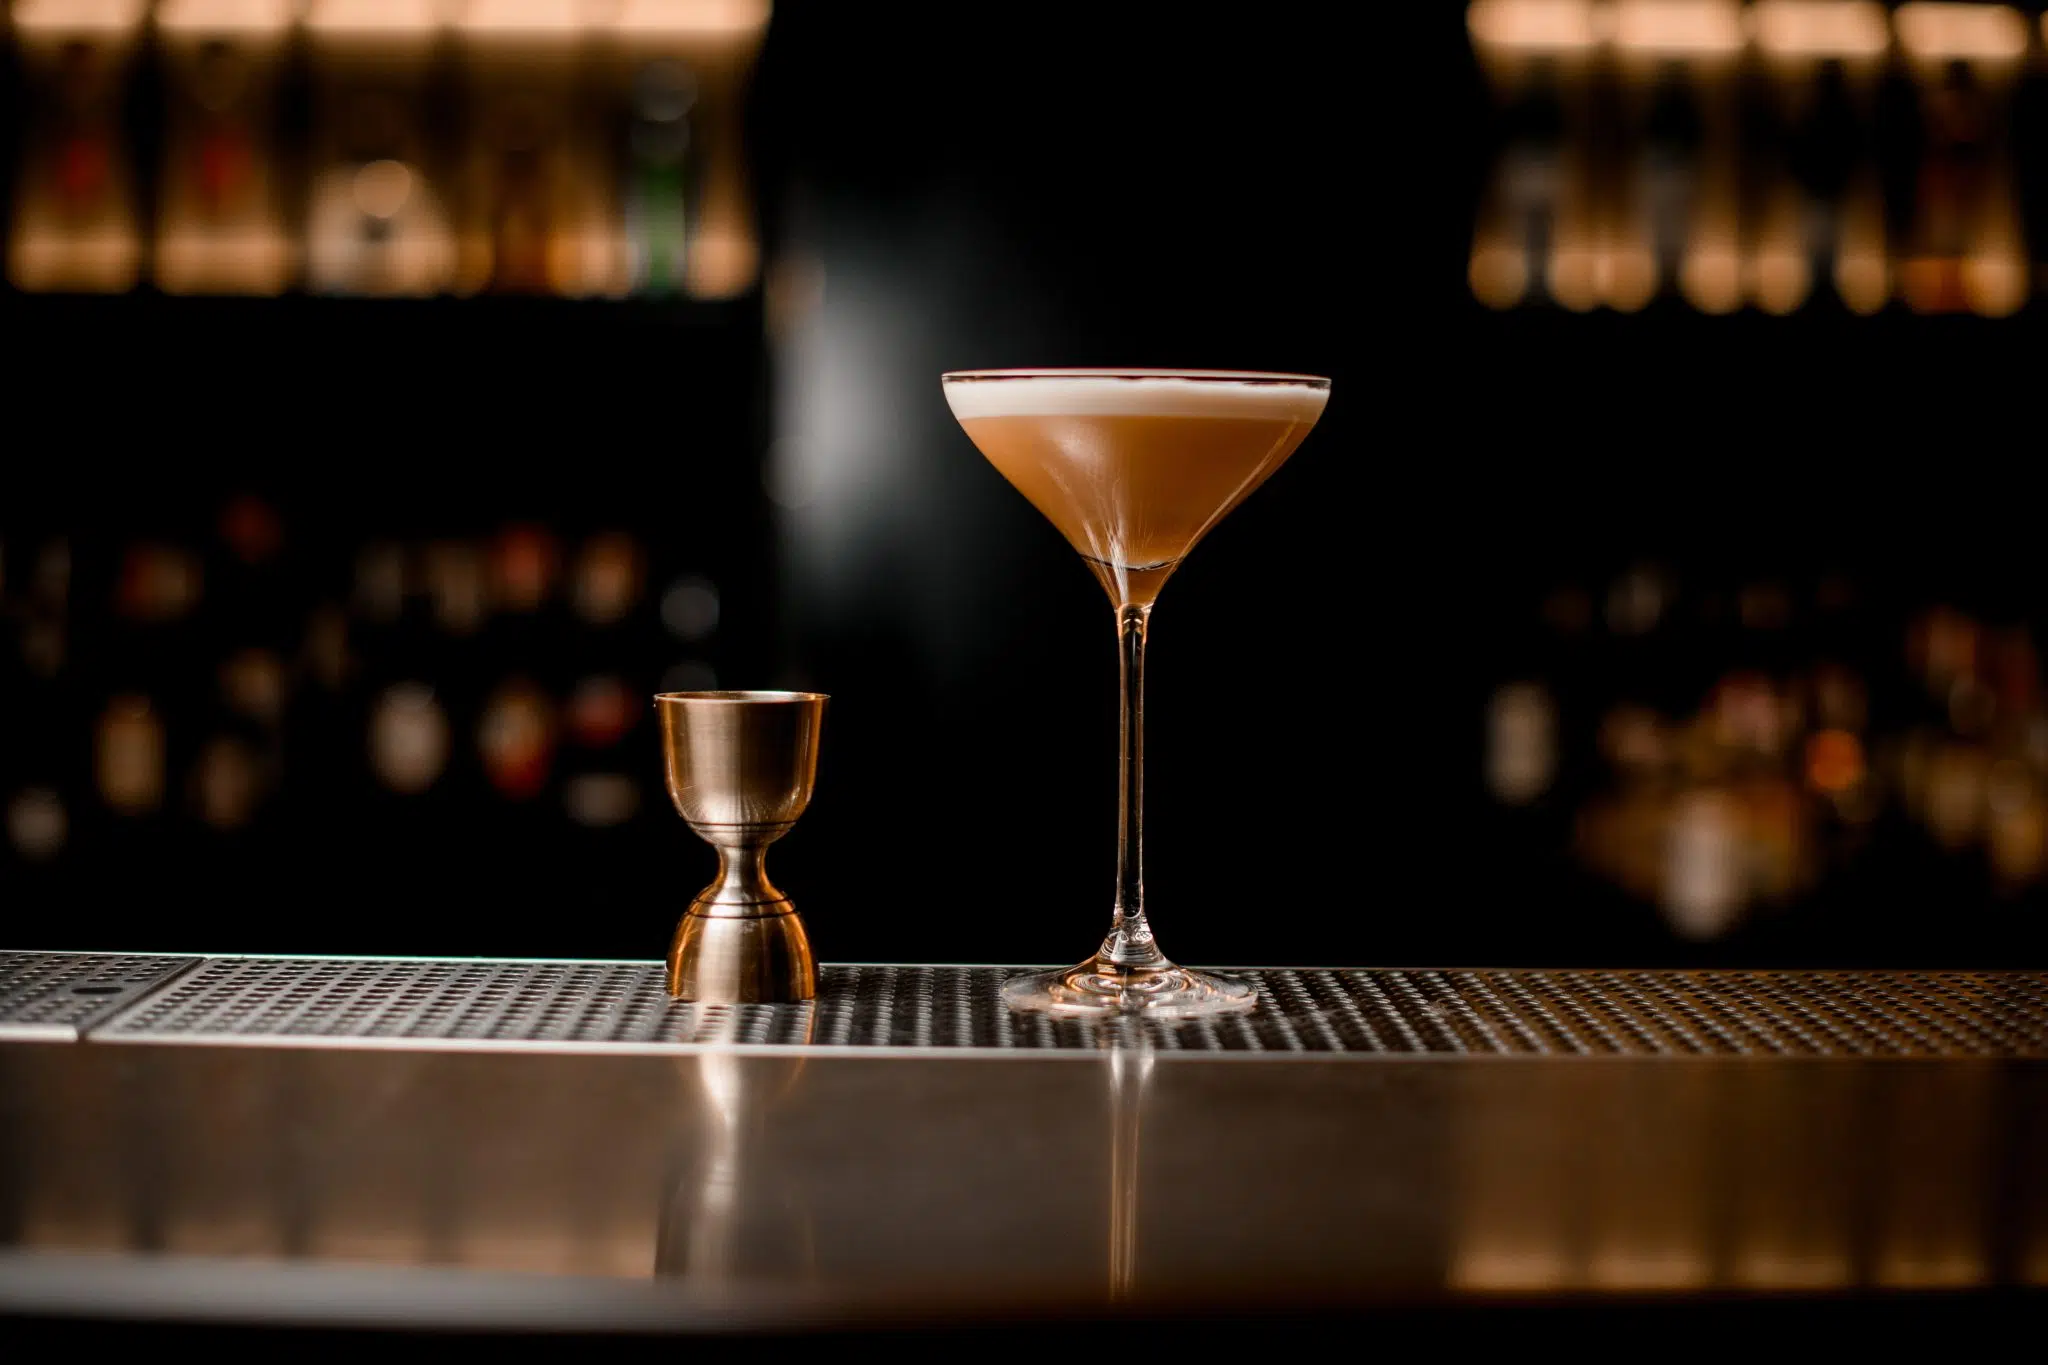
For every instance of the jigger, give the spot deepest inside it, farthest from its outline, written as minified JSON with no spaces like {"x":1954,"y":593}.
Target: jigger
{"x":740,"y":769}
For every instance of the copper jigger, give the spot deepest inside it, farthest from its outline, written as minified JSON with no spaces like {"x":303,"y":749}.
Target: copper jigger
{"x":740,"y":769}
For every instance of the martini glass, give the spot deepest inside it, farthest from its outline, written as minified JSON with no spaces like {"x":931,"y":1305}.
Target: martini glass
{"x":1133,"y":467}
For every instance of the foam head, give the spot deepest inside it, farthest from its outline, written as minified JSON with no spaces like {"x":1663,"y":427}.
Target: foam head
{"x":1136,"y":393}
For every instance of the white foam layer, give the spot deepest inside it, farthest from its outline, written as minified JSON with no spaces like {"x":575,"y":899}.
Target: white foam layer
{"x":1138,"y":393}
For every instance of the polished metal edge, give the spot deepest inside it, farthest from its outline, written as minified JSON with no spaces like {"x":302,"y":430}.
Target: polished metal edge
{"x":1804,"y":973}
{"x":216,"y":1290}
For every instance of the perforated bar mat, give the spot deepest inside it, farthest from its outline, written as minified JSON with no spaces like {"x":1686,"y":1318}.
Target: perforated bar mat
{"x":524,"y":1005}
{"x":56,"y":996}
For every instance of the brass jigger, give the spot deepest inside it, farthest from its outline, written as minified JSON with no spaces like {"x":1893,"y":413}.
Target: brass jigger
{"x":740,"y":769}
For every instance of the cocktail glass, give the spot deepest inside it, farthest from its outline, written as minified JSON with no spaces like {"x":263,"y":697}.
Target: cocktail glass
{"x":1133,"y":467}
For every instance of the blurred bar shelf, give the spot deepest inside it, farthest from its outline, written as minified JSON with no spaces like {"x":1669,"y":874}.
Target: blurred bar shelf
{"x":1765,"y":156}
{"x":151,"y":308}
{"x":383,"y":148}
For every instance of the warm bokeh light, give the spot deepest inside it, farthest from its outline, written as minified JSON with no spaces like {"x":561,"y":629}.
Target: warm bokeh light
{"x":232,"y":18}
{"x":381,"y":188}
{"x":1498,"y":274}
{"x":523,"y":19}
{"x":1668,"y":28}
{"x":231,"y":261}
{"x":1834,"y":761}
{"x":129,"y":756}
{"x":66,"y":17}
{"x":1779,"y":278}
{"x":374,"y":18}
{"x":1819,"y":28}
{"x":706,"y":19}
{"x":1521,"y":744}
{"x":91,"y":260}
{"x":1863,"y":280}
{"x":37,"y":823}
{"x":517,"y":739}
{"x":1628,"y":276}
{"x":1995,"y":284}
{"x":1961,"y":32}
{"x":409,"y":738}
{"x":1573,"y":276}
{"x":724,"y":264}
{"x":1532,"y":25}
{"x":1711,"y":276}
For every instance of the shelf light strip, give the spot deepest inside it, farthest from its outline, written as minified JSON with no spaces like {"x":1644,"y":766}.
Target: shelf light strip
{"x":718,"y":21}
{"x":1808,"y":29}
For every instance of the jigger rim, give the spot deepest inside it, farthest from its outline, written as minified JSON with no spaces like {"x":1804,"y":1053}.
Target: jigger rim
{"x":753,"y":698}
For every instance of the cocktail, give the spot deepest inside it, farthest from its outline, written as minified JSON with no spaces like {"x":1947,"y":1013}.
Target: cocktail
{"x":1133,"y":467}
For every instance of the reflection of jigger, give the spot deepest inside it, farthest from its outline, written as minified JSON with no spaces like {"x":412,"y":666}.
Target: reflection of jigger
{"x":740,"y":770}
{"x":1130,"y":1072}
{"x":707,"y":1233}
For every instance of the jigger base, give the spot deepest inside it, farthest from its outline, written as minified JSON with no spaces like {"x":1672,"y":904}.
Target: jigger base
{"x":1096,"y":987}
{"x":734,"y":960}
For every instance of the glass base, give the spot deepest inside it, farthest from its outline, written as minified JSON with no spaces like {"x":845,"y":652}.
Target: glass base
{"x":1096,"y":987}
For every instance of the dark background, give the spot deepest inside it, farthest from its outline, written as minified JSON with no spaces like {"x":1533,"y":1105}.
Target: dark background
{"x":949,"y":187}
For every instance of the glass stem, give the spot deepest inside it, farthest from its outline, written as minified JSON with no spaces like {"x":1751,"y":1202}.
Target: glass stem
{"x":1130,"y":938}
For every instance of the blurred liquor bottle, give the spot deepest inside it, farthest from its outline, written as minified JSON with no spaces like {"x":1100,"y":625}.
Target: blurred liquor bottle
{"x":322,"y":736}
{"x":1669,"y":213}
{"x":681,"y":67}
{"x":660,"y":193}
{"x":1537,"y":66}
{"x":43,"y":742}
{"x":528,"y":653}
{"x":407,"y":715}
{"x":606,"y":707}
{"x":146,"y":664}
{"x":375,"y":221}
{"x":220,"y":219}
{"x":258,"y":575}
{"x":1820,"y":202}
{"x":1656,"y":231}
{"x":74,"y":208}
{"x":535,"y":217}
{"x":1522,"y":737}
{"x":1965,"y":251}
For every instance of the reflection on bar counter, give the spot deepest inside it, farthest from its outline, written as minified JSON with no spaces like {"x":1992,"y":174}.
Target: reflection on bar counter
{"x":1766,"y":155}
{"x":578,"y":148}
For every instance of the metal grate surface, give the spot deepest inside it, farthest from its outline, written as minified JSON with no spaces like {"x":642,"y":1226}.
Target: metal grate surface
{"x":60,"y":995}
{"x":1346,"y":1011}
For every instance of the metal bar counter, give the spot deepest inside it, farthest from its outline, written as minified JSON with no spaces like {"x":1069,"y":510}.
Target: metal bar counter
{"x":515,"y":1145}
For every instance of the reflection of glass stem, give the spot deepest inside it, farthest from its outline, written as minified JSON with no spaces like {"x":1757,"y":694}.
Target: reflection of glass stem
{"x":1130,"y":1070}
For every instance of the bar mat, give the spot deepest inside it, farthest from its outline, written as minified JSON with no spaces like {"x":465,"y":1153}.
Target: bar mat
{"x":1361,"y":1012}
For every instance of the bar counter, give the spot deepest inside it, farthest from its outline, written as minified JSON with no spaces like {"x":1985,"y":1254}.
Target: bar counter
{"x":180,"y":1141}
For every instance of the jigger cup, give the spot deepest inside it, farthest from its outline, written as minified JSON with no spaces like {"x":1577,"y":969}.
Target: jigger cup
{"x":740,"y":769}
